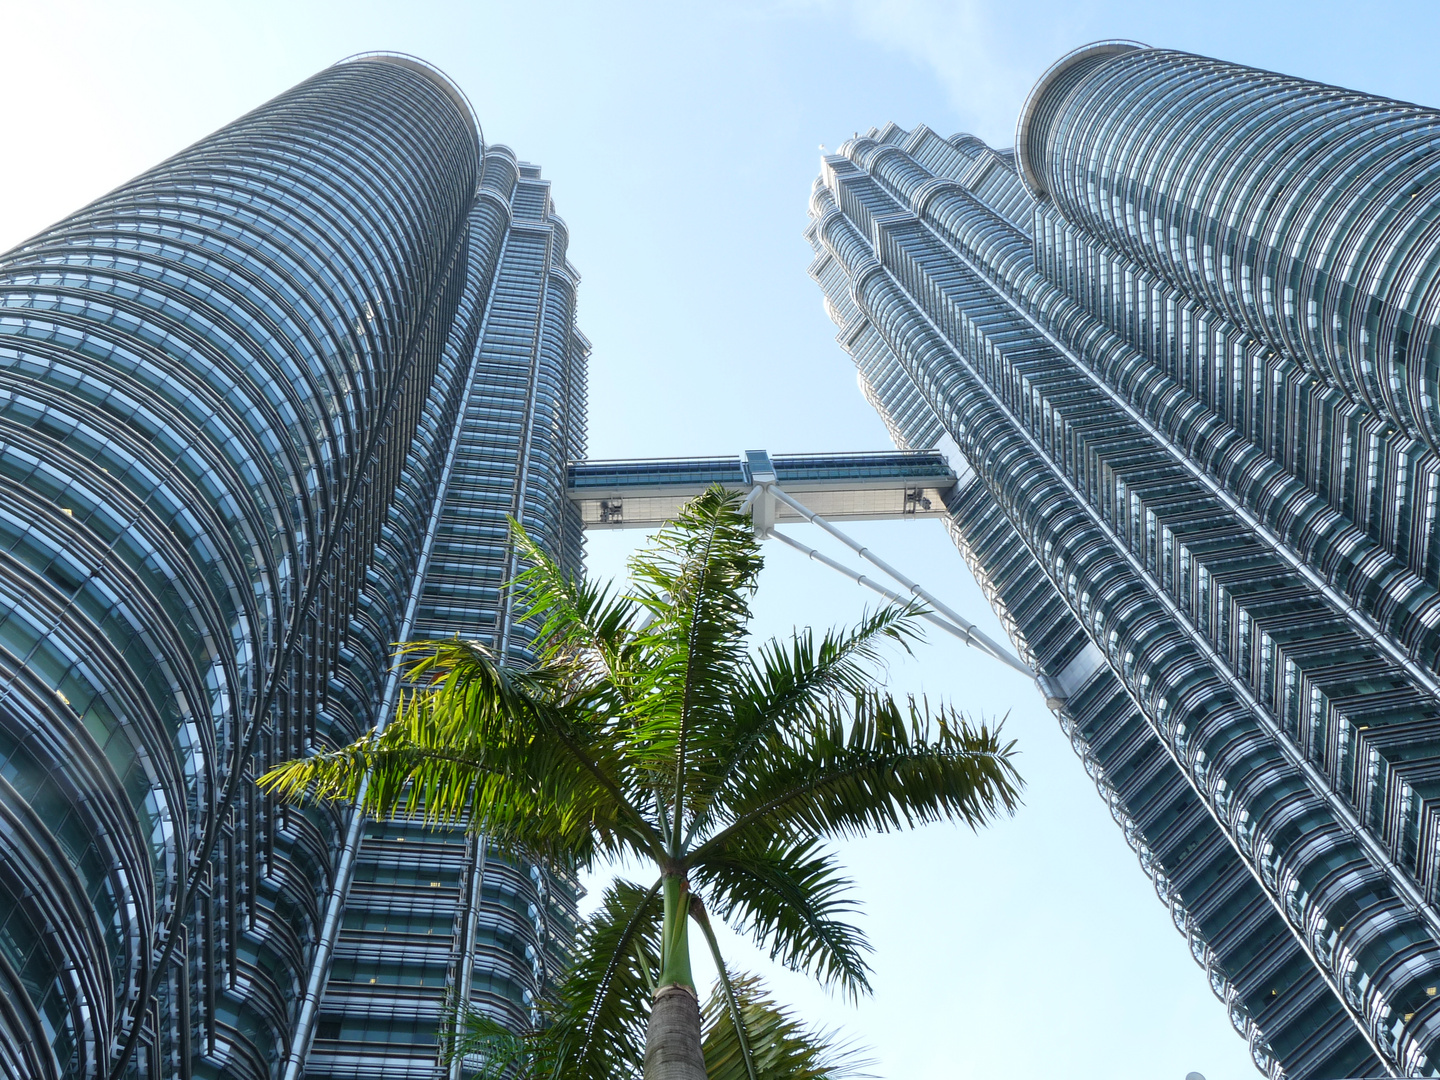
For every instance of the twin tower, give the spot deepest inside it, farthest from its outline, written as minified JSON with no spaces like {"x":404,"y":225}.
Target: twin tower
{"x":267,"y":408}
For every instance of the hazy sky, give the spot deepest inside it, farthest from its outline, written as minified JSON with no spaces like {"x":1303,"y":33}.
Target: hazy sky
{"x":682,"y":140}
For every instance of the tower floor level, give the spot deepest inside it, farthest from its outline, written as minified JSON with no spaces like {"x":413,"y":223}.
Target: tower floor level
{"x":264,"y":411}
{"x":1186,"y":340}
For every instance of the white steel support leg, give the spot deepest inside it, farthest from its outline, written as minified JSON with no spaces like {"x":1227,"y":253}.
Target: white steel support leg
{"x":965,"y":635}
{"x":465,"y":975}
{"x":972,"y":634}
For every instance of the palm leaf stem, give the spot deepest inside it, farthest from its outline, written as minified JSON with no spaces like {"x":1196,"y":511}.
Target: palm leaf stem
{"x":662,"y":815}
{"x":698,"y":913}
{"x":675,"y":934}
{"x":626,"y":937}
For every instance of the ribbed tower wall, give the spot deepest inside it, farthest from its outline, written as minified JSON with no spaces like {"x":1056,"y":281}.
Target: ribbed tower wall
{"x":1256,"y":706}
{"x":1306,"y":215}
{"x":432,"y":913}
{"x":229,"y":395}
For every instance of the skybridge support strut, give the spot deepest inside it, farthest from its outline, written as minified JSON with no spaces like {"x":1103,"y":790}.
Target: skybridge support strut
{"x":962,"y":633}
{"x":945,"y":617}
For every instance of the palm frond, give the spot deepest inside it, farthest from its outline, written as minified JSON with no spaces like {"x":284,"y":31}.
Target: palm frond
{"x":788,"y":683}
{"x":791,"y":898}
{"x":483,"y":700}
{"x":575,"y":718}
{"x":492,"y":1051}
{"x":604,"y":998}
{"x":593,"y":1027}
{"x":491,"y":747}
{"x":577,"y":618}
{"x":479,"y":690}
{"x":872,"y":767}
{"x":784,"y":1048}
{"x":529,"y":796}
{"x":622,"y":948}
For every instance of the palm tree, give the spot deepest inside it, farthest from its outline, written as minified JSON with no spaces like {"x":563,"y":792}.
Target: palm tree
{"x":648,"y":729}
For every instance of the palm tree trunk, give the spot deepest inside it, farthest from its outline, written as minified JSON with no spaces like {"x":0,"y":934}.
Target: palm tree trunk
{"x":672,"y":1040}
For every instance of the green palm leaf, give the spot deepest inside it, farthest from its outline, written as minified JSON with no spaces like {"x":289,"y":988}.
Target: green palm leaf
{"x":785,"y":683}
{"x":790,"y":896}
{"x":580,"y":622}
{"x":872,"y":767}
{"x":696,"y":581}
{"x":593,"y":1027}
{"x":784,"y":1048}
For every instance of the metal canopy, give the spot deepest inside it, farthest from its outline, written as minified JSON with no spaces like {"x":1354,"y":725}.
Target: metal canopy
{"x":645,"y":493}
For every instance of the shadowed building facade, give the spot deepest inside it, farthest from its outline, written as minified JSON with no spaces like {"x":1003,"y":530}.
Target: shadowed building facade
{"x":1184,"y":339}
{"x":264,"y":411}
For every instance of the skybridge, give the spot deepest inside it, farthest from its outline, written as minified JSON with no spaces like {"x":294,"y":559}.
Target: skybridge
{"x":646,"y":493}
{"x":785,"y":489}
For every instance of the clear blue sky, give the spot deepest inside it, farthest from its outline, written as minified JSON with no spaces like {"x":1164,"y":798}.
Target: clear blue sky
{"x":682,"y":140}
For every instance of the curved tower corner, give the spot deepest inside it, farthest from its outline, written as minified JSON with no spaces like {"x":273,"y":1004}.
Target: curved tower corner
{"x":1302,"y":213}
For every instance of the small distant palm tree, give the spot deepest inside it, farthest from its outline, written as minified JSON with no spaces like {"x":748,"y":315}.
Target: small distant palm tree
{"x":648,"y":729}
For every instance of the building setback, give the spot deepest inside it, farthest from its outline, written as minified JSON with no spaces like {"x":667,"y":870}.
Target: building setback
{"x":1184,"y":338}
{"x":264,"y":411}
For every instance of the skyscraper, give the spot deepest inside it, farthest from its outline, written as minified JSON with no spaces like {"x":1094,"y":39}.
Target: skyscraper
{"x":263,"y":412}
{"x":1182,"y":342}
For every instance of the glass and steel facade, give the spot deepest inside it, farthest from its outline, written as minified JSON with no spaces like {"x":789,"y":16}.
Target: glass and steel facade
{"x":1184,"y":337}
{"x":426,"y":912}
{"x":263,"y":411}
